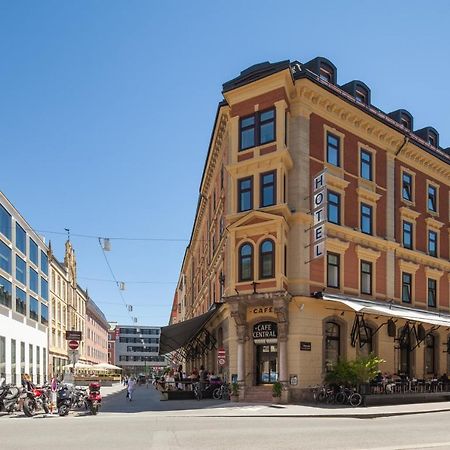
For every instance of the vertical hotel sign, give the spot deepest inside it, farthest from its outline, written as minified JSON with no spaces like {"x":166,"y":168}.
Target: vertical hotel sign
{"x":319,"y":211}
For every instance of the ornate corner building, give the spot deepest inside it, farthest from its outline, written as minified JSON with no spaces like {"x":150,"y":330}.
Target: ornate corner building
{"x":321,"y":232}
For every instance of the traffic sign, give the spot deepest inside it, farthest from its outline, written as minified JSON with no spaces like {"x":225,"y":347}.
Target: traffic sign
{"x":73,"y":345}
{"x":221,"y":358}
{"x":73,"y":335}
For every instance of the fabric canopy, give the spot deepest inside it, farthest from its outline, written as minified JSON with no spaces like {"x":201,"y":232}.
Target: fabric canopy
{"x":177,"y":335}
{"x":390,"y":310}
{"x":107,"y":366}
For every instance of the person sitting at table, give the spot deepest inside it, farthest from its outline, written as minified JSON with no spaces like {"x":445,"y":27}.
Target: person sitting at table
{"x":444,"y":379}
{"x":170,"y":380}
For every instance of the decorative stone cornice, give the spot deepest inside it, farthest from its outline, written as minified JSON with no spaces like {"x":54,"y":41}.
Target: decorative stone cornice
{"x":408,"y":266}
{"x":365,"y":194}
{"x":433,"y":223}
{"x":336,"y":245}
{"x":433,"y":273}
{"x":367,"y":253}
{"x":408,"y":213}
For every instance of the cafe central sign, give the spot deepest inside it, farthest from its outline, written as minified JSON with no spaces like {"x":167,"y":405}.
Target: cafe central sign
{"x":265,"y":333}
{"x":319,"y":212}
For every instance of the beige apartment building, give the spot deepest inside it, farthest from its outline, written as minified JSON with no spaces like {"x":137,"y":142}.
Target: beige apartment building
{"x":96,"y":340}
{"x":321,"y":233}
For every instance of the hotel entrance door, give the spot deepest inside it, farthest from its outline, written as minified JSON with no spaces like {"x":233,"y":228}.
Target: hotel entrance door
{"x":266,"y":364}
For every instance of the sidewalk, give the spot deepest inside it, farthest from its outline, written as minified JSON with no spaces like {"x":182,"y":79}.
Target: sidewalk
{"x":147,"y":401}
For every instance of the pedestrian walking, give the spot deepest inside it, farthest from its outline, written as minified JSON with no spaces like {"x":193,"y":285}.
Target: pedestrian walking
{"x":130,"y":388}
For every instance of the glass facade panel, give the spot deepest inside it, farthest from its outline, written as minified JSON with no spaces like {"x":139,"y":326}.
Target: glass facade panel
{"x":44,"y":289}
{"x":21,"y":301}
{"x":34,"y":255}
{"x":34,"y":280}
{"x":21,"y":239}
{"x":21,"y":270}
{"x":44,"y":263}
{"x":5,"y":222}
{"x":5,"y":257}
{"x":44,"y":314}
{"x":5,"y":292}
{"x":34,"y":308}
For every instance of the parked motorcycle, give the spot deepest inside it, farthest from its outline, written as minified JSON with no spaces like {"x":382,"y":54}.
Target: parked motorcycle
{"x":36,"y":401}
{"x":10,"y":397}
{"x":94,"y":398}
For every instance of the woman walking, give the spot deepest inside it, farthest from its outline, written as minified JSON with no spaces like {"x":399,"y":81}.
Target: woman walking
{"x":130,"y":388}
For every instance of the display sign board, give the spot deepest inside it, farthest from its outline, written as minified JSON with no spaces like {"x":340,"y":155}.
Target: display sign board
{"x":73,"y":335}
{"x":319,"y":211}
{"x":265,"y":333}
{"x":305,"y":346}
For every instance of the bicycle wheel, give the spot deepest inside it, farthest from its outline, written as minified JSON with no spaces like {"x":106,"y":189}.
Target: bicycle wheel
{"x":321,"y":396}
{"x":217,"y":393}
{"x":340,"y":398}
{"x":355,"y":399}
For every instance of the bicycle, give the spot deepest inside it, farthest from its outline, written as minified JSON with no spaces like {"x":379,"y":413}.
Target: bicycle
{"x":348,"y":396}
{"x":222,"y":392}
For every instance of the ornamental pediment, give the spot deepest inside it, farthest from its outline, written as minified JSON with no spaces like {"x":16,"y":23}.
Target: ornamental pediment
{"x":255,"y":218}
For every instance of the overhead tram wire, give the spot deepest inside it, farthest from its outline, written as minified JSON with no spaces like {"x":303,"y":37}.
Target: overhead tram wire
{"x":103,"y":280}
{"x":117,"y":283}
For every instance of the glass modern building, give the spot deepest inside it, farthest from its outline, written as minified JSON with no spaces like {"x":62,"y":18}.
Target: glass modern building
{"x":24,"y":281}
{"x":137,"y":349}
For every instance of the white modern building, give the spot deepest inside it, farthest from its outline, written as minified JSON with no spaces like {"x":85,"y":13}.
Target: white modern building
{"x":24,"y":296}
{"x":137,"y":349}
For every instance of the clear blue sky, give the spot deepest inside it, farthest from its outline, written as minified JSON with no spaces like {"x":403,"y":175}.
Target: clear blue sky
{"x":106,"y":109}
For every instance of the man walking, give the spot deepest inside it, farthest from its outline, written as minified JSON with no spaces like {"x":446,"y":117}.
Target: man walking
{"x":131,"y":386}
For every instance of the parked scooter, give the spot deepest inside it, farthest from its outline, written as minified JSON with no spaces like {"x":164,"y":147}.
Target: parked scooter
{"x":69,"y":397}
{"x":10,"y":397}
{"x":94,"y":399}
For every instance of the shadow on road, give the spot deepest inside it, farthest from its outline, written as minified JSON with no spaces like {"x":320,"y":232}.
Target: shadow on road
{"x":148,"y":399}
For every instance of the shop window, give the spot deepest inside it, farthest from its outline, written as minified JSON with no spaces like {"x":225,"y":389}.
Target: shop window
{"x":430,"y":355}
{"x":267,"y":259}
{"x":332,"y":345}
{"x":246,"y":262}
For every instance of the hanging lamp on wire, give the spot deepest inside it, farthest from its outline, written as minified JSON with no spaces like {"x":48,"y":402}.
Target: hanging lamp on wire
{"x":106,"y":245}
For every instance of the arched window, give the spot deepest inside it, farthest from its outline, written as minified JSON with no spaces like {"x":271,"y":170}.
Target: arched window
{"x":246,"y":262}
{"x":267,"y":259}
{"x":332,"y":344}
{"x":430,"y":355}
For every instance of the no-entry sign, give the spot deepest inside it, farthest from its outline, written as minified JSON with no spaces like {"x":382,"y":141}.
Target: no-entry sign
{"x":73,"y":345}
{"x":221,"y":356}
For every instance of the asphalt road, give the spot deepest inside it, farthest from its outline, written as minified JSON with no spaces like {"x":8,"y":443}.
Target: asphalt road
{"x":136,"y":425}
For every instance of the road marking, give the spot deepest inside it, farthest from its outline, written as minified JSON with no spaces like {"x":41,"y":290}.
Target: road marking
{"x":414,"y":446}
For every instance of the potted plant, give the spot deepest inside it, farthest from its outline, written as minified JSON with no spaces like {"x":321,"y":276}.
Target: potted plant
{"x":277,"y":388}
{"x":234,"y":396}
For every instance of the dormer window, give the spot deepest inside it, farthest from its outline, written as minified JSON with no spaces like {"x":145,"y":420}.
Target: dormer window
{"x":361,"y":96}
{"x":405,"y":121}
{"x":432,"y":139}
{"x":326,"y":73}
